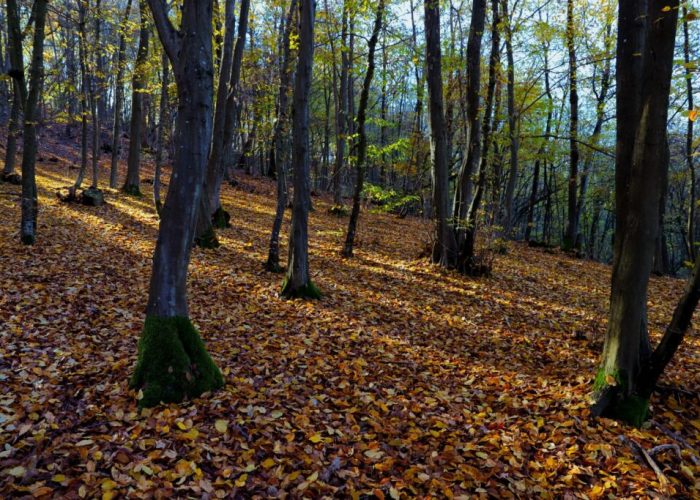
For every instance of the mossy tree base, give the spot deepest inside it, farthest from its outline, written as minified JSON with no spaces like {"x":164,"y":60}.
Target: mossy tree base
{"x":93,"y":197}
{"x":132,"y":190}
{"x":208,"y":240}
{"x":308,"y":291}
{"x":221,"y":219}
{"x":612,"y":401}
{"x":273,"y":267}
{"x":173,"y":363}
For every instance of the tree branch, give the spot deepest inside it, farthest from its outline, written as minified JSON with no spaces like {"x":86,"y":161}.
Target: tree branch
{"x":169,"y":36}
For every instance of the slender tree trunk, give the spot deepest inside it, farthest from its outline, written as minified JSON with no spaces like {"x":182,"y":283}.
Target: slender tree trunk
{"x":278,"y":155}
{"x":543,"y":147}
{"x":298,"y":280}
{"x":628,"y":369}
{"x":132,"y":185}
{"x":162,"y":110}
{"x":468,"y":251}
{"x":341,"y":112}
{"x":472,"y":157}
{"x":84,"y":85}
{"x":362,"y":139}
{"x":512,"y":126}
{"x":119,"y":99}
{"x":571,"y":236}
{"x":30,"y":99}
{"x":221,"y":152}
{"x":13,"y":131}
{"x":173,"y":363}
{"x":96,"y":90}
{"x":690,"y":163}
{"x":444,"y":250}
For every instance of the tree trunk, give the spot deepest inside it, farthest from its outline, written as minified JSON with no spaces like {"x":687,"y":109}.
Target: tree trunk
{"x":626,"y":377}
{"x":210,"y":212}
{"x":30,"y":99}
{"x":573,"y":215}
{"x":362,"y":139}
{"x":341,"y":112}
{"x":119,"y":99}
{"x":13,"y":131}
{"x":298,"y":280}
{"x":472,"y":157}
{"x":173,"y":363}
{"x":84,"y":85}
{"x":444,"y":250}
{"x":690,"y":163}
{"x":278,"y":153}
{"x":512,"y":127}
{"x":162,"y":110}
{"x":132,"y":185}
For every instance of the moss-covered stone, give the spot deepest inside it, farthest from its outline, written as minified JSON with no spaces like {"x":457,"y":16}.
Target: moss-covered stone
{"x":173,"y":363}
{"x":92,"y":197}
{"x":208,"y":239}
{"x":221,"y":219}
{"x":132,"y":190}
{"x":308,"y":291}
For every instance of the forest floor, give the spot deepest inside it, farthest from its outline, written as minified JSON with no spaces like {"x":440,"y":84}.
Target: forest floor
{"x":403,"y":381}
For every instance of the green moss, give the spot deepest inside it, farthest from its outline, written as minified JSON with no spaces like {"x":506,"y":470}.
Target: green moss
{"x":631,"y":409}
{"x":132,"y":190}
{"x":308,"y":291}
{"x":208,"y":239}
{"x":173,"y":363}
{"x":221,"y":219}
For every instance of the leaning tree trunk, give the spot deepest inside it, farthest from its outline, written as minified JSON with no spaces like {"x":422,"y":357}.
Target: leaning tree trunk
{"x":298,"y":280}
{"x":277,"y":153}
{"x":173,"y":363}
{"x":210,"y":210}
{"x":362,"y":135}
{"x":132,"y":185}
{"x":629,"y":370}
{"x":444,"y":250}
{"x":30,"y":100}
{"x":119,"y":98}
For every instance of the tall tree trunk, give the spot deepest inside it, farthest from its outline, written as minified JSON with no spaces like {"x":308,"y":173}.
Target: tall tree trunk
{"x":30,"y":99}
{"x":444,"y":250}
{"x":278,"y":154}
{"x":512,"y":126}
{"x":173,"y":363}
{"x":13,"y":131}
{"x":119,"y":99}
{"x":472,"y":157}
{"x":298,"y":280}
{"x":468,"y":250}
{"x":96,"y":90}
{"x":573,"y":215}
{"x":362,"y":135}
{"x":541,"y":153}
{"x":210,"y":209}
{"x":341,"y":112}
{"x":627,"y":374}
{"x":162,"y":110}
{"x":132,"y":185}
{"x":690,"y":163}
{"x":84,"y":99}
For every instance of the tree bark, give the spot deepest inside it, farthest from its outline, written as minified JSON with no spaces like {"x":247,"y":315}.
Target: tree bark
{"x":513,"y":132}
{"x":362,"y":135}
{"x":119,"y":99}
{"x":623,"y":384}
{"x":444,"y":250}
{"x":173,"y":363}
{"x":132,"y":185}
{"x":298,"y":280}
{"x":573,"y":215}
{"x":162,"y":110}
{"x":278,"y":154}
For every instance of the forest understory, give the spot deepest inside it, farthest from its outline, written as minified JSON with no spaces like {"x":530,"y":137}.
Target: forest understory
{"x":404,"y":380}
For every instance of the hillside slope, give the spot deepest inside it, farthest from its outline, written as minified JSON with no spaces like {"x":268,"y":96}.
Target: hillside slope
{"x":404,"y":380}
